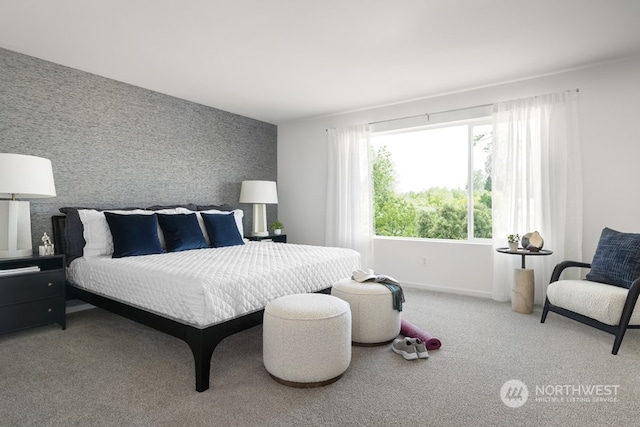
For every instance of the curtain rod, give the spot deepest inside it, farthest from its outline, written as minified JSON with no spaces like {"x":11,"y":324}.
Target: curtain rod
{"x":447,"y":111}
{"x":430,"y":114}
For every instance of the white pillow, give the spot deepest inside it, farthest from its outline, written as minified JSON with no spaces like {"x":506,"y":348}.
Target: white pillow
{"x":97,"y":235}
{"x":238,"y":214}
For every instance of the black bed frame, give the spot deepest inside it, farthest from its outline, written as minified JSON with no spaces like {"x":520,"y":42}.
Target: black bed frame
{"x":201,"y":341}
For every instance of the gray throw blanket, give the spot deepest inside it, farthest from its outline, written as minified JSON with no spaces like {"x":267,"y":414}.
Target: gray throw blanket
{"x":396,"y":293}
{"x":392,"y":284}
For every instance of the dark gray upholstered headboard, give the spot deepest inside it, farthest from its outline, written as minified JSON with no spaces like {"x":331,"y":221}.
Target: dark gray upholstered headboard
{"x":57,"y":224}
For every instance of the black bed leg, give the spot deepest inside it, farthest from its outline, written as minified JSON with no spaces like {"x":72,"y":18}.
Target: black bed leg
{"x":202,"y":359}
{"x":203,"y":370}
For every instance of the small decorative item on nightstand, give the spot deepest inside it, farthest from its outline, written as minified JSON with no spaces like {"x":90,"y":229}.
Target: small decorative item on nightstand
{"x":277,"y":227}
{"x":46,"y":249}
{"x":513,"y":240}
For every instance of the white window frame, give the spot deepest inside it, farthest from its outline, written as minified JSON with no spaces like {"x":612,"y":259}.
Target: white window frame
{"x":471,"y":123}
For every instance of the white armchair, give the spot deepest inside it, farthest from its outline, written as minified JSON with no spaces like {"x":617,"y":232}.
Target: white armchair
{"x":607,"y":299}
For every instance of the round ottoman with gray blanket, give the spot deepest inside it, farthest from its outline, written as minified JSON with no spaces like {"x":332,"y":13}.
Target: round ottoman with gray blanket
{"x":375,"y":321}
{"x":307,"y":339}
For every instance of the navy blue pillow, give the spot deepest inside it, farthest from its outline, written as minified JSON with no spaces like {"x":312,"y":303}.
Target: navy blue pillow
{"x":181,"y":232}
{"x":617,"y":259}
{"x":134,"y":235}
{"x":222,"y":230}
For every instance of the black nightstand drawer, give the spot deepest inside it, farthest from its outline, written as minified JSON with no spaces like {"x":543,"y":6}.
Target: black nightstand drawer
{"x":29,"y":314}
{"x":34,"y":298}
{"x":31,"y":286}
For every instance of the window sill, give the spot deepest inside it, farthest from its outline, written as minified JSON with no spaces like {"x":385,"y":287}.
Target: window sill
{"x":478,"y":242}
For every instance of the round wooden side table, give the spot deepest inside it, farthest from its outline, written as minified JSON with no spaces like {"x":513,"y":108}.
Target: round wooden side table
{"x":523,"y":290}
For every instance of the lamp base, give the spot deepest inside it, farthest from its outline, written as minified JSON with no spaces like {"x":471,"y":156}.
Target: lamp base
{"x":15,"y":229}
{"x":23,"y":253}
{"x":259,"y":220}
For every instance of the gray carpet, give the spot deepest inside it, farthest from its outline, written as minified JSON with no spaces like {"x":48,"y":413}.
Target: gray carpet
{"x":106,"y":370}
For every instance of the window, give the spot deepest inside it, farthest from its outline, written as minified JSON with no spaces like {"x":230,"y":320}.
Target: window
{"x":434,"y":181}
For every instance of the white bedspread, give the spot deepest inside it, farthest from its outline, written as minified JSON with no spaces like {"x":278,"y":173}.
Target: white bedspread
{"x":207,"y":286}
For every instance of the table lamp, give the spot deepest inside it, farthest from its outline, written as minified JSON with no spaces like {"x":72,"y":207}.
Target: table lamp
{"x":21,"y":176}
{"x":259,"y":193}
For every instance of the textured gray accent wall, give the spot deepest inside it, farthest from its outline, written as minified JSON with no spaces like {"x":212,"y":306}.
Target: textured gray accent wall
{"x":116,"y":145}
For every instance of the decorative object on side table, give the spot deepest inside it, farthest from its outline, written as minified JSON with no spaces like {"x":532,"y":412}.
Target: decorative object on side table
{"x":513,"y":240}
{"x":277,"y":227}
{"x":259,"y":193}
{"x":532,"y":241}
{"x":21,"y":176}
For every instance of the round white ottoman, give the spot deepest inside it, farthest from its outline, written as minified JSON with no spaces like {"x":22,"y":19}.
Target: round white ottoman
{"x":307,"y":339}
{"x":374,"y":320}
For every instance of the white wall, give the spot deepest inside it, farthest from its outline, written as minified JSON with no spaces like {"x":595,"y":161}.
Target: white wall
{"x":610,"y":133}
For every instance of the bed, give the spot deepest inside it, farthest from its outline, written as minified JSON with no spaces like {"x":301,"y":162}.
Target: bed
{"x":200,"y":296}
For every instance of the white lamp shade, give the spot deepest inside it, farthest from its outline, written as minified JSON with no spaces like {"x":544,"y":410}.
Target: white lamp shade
{"x":258,"y":192}
{"x":21,"y":176}
{"x":25,"y":176}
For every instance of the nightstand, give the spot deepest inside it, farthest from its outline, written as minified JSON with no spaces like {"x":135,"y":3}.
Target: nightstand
{"x":278,"y":238}
{"x":32,"y":298}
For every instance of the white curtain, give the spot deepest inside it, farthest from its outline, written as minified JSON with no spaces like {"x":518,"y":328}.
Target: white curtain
{"x":349,"y":192}
{"x":536,"y":184}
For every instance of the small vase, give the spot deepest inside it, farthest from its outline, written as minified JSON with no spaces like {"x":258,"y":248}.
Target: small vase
{"x":277,"y":231}
{"x":513,"y":246}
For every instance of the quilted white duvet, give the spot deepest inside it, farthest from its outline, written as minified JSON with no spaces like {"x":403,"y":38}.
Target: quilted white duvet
{"x":208,"y":286}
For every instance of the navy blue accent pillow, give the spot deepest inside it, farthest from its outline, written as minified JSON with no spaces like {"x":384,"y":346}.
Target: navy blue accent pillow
{"x":134,"y":235}
{"x":617,"y":259}
{"x":181,"y":232}
{"x":222,"y":230}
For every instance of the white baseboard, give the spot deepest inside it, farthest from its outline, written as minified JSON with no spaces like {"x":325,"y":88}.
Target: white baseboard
{"x":479,"y":294}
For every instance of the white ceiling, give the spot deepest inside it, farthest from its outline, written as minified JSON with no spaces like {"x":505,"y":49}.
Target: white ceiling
{"x":283,"y":60}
